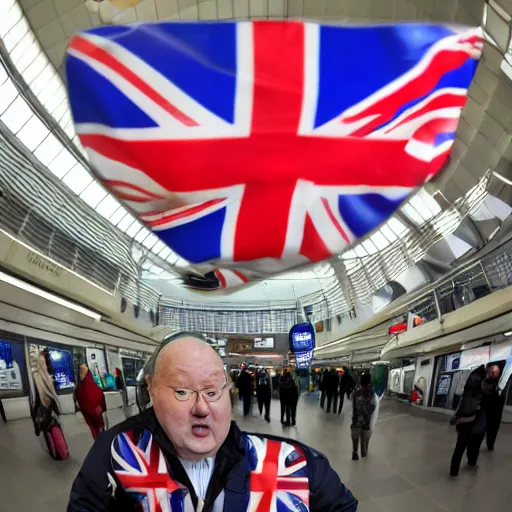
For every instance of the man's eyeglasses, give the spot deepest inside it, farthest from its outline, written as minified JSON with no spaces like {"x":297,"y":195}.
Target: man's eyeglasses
{"x":212,"y":394}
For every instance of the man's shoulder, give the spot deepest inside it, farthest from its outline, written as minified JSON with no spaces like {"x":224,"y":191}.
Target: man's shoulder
{"x":308,"y":451}
{"x":139,"y":422}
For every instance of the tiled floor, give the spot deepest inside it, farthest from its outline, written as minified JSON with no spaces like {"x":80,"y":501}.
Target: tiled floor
{"x":406,"y":468}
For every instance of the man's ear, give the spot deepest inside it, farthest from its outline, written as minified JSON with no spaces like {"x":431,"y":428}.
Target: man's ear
{"x":149,"y":382}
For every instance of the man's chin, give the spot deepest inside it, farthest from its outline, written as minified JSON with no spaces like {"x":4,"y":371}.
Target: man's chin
{"x":201,"y":448}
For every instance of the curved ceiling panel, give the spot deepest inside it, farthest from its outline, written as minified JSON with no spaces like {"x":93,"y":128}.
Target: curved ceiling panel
{"x":480,"y":162}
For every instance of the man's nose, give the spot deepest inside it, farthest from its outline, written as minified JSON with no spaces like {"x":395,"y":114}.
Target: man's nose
{"x":201,"y":407}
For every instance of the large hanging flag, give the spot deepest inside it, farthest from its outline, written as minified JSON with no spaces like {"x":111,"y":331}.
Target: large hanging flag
{"x":251,"y":148}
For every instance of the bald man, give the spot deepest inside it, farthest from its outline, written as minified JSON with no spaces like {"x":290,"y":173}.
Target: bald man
{"x":185,"y":454}
{"x":493,"y":403}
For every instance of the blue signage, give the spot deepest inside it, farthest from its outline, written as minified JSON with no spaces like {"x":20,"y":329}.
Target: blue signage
{"x":302,"y":343}
{"x":302,"y":338}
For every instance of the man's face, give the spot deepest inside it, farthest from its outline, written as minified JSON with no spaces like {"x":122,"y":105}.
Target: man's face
{"x":197,"y":428}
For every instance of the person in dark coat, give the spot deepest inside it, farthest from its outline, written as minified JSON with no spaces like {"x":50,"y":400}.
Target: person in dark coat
{"x":321,"y":387}
{"x":347,"y":385}
{"x":245,"y":389}
{"x":194,"y":457}
{"x":287,"y":389}
{"x":493,"y":403}
{"x":470,"y":421}
{"x":263,"y":392}
{"x":331,"y":388}
{"x":364,"y":405}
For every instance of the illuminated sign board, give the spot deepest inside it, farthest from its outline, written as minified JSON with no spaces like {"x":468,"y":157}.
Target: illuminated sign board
{"x":302,"y":343}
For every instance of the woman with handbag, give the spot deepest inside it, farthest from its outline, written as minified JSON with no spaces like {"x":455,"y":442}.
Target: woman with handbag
{"x":45,"y":407}
{"x":470,"y":421}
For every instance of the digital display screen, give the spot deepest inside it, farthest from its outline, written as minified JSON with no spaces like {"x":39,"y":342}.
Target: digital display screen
{"x":302,"y":343}
{"x":263,"y":342}
{"x":302,"y":338}
{"x":303,"y":359}
{"x":62,"y":362}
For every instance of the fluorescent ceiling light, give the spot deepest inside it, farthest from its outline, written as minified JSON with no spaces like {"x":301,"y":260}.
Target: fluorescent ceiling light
{"x":508,"y":333}
{"x":23,"y":285}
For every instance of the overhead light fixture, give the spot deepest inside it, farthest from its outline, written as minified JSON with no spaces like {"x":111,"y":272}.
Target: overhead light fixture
{"x":508,"y":333}
{"x":23,"y":285}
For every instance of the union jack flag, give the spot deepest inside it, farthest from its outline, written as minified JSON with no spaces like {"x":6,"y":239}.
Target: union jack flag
{"x":279,"y":477}
{"x":141,"y":469}
{"x":260,"y":146}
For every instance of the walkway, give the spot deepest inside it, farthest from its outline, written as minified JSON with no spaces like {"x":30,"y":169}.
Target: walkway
{"x":406,"y":470}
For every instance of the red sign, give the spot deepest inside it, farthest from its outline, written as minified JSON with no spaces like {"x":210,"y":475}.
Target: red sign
{"x":398,"y":328}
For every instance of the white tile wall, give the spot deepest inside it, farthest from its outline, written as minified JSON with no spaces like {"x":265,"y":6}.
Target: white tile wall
{"x":127,"y":16}
{"x":241,"y":8}
{"x":405,"y":11}
{"x":464,"y":17}
{"x":166,"y":8}
{"x":62,"y":6}
{"x":207,"y":10}
{"x":464,"y":178}
{"x":424,"y":5}
{"x":28,"y":4}
{"x":51,"y":33}
{"x":312,"y":8}
{"x":276,"y":8}
{"x":475,"y":7}
{"x":146,"y":10}
{"x":225,"y":9}
{"x":75,"y":20}
{"x":465,"y":132}
{"x":188,"y":9}
{"x":295,"y":8}
{"x":384,"y":9}
{"x":478,"y":94}
{"x":56,"y":52}
{"x":41,"y":14}
{"x":360,"y":8}
{"x":447,"y":8}
{"x":258,"y":8}
{"x":490,"y":128}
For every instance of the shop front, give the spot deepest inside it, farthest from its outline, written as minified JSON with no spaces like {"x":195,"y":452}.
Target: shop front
{"x":452,"y":371}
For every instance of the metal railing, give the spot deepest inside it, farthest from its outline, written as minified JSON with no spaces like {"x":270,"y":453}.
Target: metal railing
{"x":477,"y":279}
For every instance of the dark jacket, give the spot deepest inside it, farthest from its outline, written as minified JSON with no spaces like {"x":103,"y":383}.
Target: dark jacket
{"x":323,"y":380}
{"x":98,"y":487}
{"x":472,"y":395}
{"x":363,"y":407}
{"x":492,"y":401}
{"x":347,"y":383}
{"x":245,"y":383}
{"x":332,"y":383}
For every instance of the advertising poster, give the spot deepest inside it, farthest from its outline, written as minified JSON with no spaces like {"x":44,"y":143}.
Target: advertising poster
{"x":10,"y":373}
{"x":62,"y":361}
{"x":264,"y":342}
{"x":97,"y":365}
{"x":452,"y":362}
{"x":444,"y":385}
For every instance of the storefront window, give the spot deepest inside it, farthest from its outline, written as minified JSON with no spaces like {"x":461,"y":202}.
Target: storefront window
{"x":61,"y":357}
{"x":131,"y":368}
